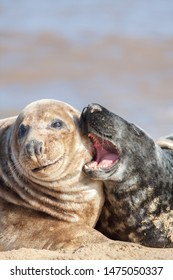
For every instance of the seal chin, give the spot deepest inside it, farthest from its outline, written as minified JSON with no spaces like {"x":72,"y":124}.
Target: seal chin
{"x":106,"y":154}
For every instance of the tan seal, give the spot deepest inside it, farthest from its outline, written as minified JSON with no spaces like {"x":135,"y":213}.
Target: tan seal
{"x":45,"y":199}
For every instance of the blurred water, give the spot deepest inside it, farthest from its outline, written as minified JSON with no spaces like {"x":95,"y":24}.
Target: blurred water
{"x":116,"y":53}
{"x":74,"y":19}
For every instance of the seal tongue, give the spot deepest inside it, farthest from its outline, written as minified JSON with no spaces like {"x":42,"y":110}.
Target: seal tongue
{"x":106,"y":153}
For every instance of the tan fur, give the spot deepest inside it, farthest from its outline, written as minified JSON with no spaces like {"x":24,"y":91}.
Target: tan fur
{"x":46,"y":201}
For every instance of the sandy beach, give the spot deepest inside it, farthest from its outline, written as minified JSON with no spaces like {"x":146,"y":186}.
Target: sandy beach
{"x":110,"y":250}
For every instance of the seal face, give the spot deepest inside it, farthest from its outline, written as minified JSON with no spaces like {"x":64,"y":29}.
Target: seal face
{"x":42,"y":152}
{"x":138,"y":179}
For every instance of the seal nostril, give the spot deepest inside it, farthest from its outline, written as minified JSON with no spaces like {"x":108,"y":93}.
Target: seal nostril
{"x":29,"y":149}
{"x":38,"y":148}
{"x":34,"y":147}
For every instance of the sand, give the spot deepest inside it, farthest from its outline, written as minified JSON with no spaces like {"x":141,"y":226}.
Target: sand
{"x":108,"y":250}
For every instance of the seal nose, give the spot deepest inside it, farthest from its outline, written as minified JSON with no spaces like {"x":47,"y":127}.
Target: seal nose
{"x":34,"y":147}
{"x":93,"y":108}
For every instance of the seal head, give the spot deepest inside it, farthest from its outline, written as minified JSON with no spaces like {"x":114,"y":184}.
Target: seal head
{"x":46,"y":140}
{"x":117,"y":143}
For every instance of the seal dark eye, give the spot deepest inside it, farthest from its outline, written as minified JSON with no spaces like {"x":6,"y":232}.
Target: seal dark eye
{"x":23,"y":129}
{"x":58,"y":124}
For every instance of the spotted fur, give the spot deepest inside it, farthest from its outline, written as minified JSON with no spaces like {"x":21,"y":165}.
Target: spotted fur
{"x":139,"y":187}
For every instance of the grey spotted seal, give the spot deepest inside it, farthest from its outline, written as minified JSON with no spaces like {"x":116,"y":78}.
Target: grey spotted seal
{"x":138,"y":178}
{"x":45,"y":199}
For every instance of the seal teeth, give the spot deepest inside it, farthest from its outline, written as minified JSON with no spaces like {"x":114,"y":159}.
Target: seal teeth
{"x":93,"y":137}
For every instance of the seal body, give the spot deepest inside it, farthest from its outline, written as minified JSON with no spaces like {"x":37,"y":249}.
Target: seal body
{"x":138,"y":179}
{"x":45,"y":199}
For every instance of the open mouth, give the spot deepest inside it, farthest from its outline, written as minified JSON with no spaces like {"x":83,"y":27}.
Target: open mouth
{"x":106,"y":153}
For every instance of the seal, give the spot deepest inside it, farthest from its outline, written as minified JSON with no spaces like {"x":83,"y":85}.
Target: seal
{"x":45,"y":199}
{"x":138,"y":178}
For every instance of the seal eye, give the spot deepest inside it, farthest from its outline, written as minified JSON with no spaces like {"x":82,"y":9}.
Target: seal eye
{"x":58,"y":124}
{"x":23,"y":129}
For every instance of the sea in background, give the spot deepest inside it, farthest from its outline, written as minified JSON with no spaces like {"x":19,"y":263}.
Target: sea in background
{"x":116,"y":53}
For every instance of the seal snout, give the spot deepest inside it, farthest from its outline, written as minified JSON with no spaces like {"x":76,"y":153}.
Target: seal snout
{"x":86,"y":115}
{"x":94,"y":108}
{"x":34,"y":148}
{"x":91,"y":108}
